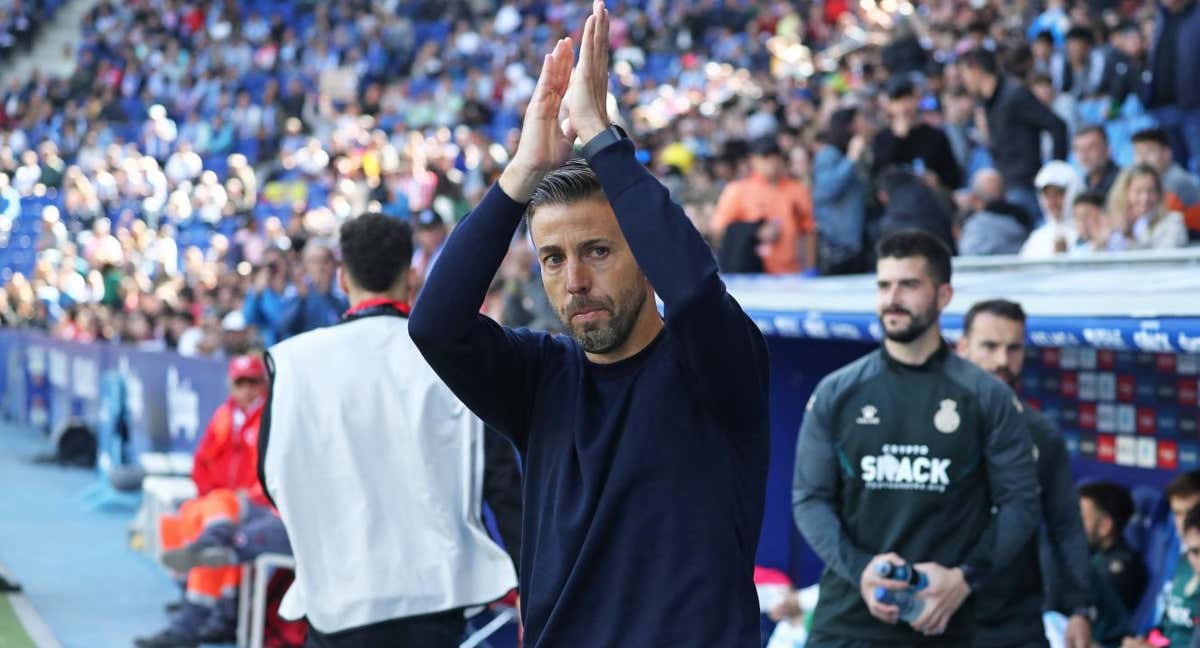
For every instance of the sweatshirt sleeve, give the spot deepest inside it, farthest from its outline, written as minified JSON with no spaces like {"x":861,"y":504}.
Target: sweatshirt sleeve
{"x":490,"y":368}
{"x":723,"y":350}
{"x":1031,"y":110}
{"x":1064,"y":526}
{"x":1012,"y":481}
{"x":815,"y":484}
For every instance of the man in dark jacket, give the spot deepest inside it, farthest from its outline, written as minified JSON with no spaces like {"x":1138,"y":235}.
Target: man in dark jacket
{"x":1015,"y":123}
{"x":908,"y":141}
{"x":1171,"y":92}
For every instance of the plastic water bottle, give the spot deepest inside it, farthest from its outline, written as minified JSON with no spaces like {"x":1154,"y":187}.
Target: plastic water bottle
{"x":905,"y":599}
{"x":916,"y":580}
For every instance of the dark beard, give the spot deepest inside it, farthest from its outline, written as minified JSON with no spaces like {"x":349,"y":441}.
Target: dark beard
{"x":602,"y":338}
{"x":915,"y":329}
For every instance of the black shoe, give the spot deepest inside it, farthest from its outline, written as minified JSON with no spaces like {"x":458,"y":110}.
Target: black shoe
{"x":168,"y":638}
{"x":217,"y":636}
{"x":8,"y":587}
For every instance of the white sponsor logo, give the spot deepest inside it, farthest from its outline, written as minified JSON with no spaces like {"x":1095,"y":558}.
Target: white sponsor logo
{"x":1104,"y":338}
{"x":1126,"y":419}
{"x":1188,"y":344}
{"x":1087,"y":358}
{"x":183,"y":407}
{"x":1147,"y":452}
{"x":815,"y":327}
{"x":59,"y":369}
{"x":85,"y":378}
{"x":1152,"y":340}
{"x":1068,"y":358}
{"x":869,"y":416}
{"x":1106,"y":417}
{"x":1106,"y":386}
{"x":947,"y":420}
{"x":1126,"y":450}
{"x":1188,"y":364}
{"x":887,"y":472}
{"x":1087,"y":385}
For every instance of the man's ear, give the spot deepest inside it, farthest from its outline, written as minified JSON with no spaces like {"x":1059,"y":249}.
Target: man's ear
{"x":342,"y":280}
{"x":945,"y":293}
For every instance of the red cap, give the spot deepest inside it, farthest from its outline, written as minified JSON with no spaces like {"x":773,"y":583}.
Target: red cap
{"x":247,"y":366}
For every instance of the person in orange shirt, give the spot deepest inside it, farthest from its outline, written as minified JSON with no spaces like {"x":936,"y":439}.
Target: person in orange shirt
{"x":785,"y":239}
{"x":228,"y":521}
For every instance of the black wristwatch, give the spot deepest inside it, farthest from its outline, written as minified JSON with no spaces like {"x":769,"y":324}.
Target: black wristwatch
{"x":602,"y":139}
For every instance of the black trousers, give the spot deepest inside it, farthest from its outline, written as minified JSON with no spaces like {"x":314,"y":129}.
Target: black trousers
{"x":438,"y":630}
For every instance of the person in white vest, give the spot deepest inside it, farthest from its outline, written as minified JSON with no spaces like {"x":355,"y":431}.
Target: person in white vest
{"x":376,"y":468}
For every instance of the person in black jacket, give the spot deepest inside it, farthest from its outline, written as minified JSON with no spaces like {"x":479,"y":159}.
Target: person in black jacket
{"x":908,"y":141}
{"x":1008,"y":609}
{"x":1171,"y":93}
{"x":1015,"y":123}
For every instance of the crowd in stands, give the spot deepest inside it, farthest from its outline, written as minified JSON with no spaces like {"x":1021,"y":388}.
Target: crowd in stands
{"x":181,"y":189}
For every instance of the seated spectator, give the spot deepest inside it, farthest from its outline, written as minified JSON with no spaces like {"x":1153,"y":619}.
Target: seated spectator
{"x":909,"y":203}
{"x":993,"y":226}
{"x":1093,"y":227}
{"x":312,"y":301}
{"x":1057,"y":184}
{"x":1118,"y":573}
{"x":1178,"y":625}
{"x":780,"y":205}
{"x":1139,"y":218}
{"x":1092,"y":153}
{"x":228,"y":522}
{"x":1153,"y":148}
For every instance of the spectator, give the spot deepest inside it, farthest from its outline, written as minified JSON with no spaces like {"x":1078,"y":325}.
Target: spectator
{"x":1015,"y":121}
{"x":1092,"y":153}
{"x":1152,"y":148}
{"x":1171,"y":94}
{"x":1093,"y":227}
{"x":780,"y":206}
{"x":1140,"y":220}
{"x":430,"y":234}
{"x":312,"y":301}
{"x":1181,"y":598}
{"x":909,"y":203}
{"x":1058,"y":184}
{"x":993,"y":226}
{"x":840,"y":195}
{"x":907,"y":141}
{"x":1118,"y":573}
{"x":263,"y":305}
{"x":1080,"y":71}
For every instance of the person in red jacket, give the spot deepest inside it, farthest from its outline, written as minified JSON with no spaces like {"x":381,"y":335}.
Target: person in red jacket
{"x":229,"y":521}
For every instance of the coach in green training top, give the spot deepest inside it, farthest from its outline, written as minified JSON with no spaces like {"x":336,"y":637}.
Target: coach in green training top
{"x":911,"y":455}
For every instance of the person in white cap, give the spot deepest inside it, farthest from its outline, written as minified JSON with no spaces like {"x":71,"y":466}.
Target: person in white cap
{"x":1057,"y":184}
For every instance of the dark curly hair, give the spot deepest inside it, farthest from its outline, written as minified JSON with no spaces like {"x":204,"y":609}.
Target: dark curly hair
{"x":376,"y":250}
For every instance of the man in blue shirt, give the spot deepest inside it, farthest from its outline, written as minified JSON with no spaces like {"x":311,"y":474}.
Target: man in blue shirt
{"x":314,"y":301}
{"x":645,"y":440}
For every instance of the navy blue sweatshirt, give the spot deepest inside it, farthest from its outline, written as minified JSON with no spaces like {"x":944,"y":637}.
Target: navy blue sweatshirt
{"x":645,"y":478}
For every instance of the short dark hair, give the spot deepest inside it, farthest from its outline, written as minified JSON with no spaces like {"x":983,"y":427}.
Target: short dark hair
{"x":1004,"y":308}
{"x":1093,"y":128}
{"x":908,"y":243}
{"x":376,"y":250}
{"x":1184,"y":485}
{"x":572,"y":182}
{"x":1045,"y":35}
{"x":1113,"y":500}
{"x":980,"y":58}
{"x":1192,"y":520}
{"x":1081,"y":33}
{"x":1090,"y":198}
{"x":1155,"y":134}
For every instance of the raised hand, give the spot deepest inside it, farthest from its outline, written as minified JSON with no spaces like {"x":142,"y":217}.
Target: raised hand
{"x":587,"y":96}
{"x":542,"y":146}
